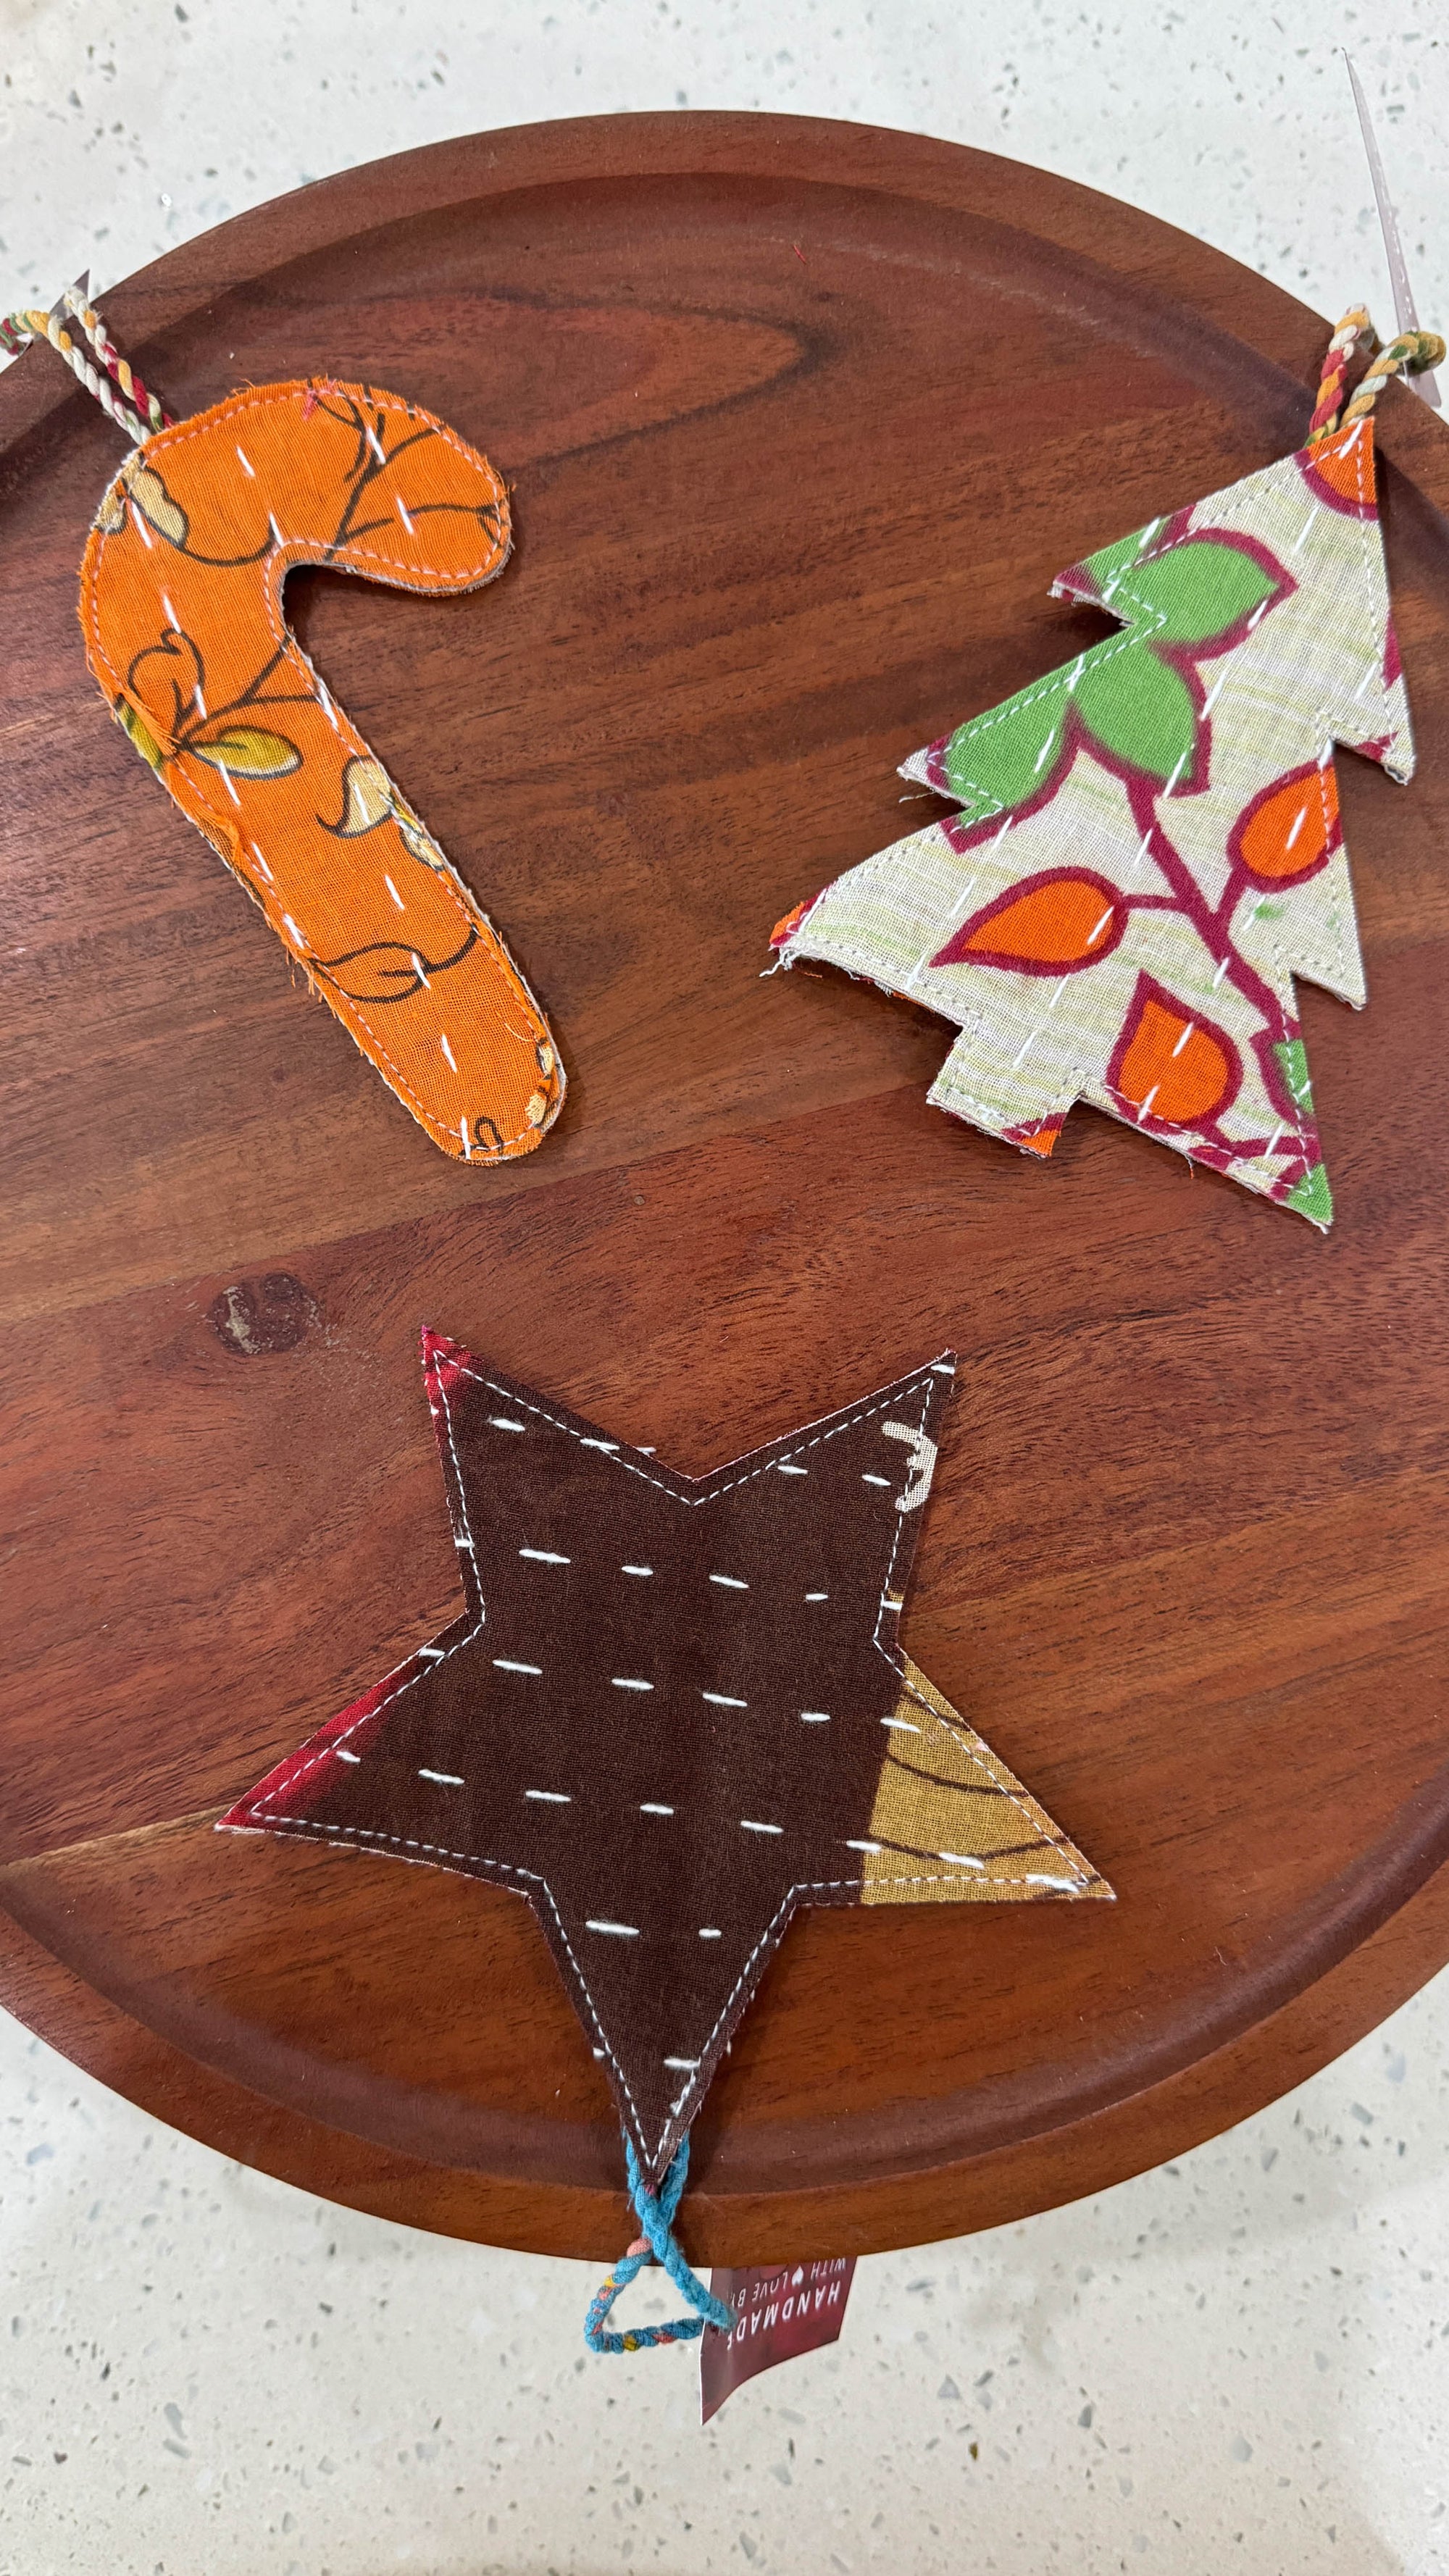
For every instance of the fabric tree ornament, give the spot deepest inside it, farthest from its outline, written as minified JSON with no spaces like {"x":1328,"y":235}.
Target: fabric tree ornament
{"x":181,"y":608}
{"x":672,"y":1711}
{"x":1149,"y":847}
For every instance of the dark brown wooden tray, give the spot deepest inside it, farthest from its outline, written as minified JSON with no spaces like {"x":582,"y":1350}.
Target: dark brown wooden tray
{"x":800,"y":419}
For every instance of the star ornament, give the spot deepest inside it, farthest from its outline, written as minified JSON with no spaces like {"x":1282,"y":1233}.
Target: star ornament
{"x":674,"y":1709}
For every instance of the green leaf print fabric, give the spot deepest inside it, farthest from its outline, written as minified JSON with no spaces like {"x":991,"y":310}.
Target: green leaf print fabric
{"x":1148,"y":847}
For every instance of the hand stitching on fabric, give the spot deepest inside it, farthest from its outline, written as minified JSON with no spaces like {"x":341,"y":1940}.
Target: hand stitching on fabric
{"x":290,"y":553}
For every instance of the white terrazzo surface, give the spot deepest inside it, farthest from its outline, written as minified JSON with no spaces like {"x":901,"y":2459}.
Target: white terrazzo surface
{"x":1240,"y":2361}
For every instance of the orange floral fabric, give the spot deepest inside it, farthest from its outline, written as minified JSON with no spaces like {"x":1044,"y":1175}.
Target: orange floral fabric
{"x":181,"y":606}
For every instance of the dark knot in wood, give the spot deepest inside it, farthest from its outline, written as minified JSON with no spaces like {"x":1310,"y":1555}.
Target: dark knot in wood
{"x":259,"y":1316}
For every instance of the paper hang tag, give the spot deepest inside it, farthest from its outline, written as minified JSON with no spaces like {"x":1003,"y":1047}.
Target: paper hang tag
{"x":781,"y":2310}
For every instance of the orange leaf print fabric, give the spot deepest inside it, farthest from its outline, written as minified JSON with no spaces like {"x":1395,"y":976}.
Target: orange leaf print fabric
{"x":1049,"y":926}
{"x":181,"y":607}
{"x":1288,"y":831}
{"x":1148,"y":852}
{"x":1169,"y":1066}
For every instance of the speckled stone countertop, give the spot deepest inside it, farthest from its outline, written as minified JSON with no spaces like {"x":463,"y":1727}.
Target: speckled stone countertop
{"x":1241,"y":2360}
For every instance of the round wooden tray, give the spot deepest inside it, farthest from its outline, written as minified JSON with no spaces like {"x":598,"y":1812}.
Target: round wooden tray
{"x":800,"y":421}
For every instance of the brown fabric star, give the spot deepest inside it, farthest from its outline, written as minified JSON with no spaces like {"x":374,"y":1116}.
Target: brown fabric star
{"x":673,"y":1710}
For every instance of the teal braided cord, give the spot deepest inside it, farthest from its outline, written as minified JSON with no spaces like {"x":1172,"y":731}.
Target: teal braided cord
{"x":657,"y":2244}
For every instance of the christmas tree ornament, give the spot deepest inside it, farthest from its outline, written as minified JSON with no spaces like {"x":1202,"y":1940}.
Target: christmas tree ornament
{"x":672,"y":1711}
{"x":181,"y":608}
{"x":1148,"y":849}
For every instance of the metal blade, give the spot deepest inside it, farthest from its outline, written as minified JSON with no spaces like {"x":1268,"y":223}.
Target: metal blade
{"x":1407,"y":318}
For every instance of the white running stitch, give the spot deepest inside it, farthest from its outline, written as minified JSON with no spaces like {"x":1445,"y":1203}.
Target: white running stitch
{"x":782,"y":1915}
{"x":406,"y":1676}
{"x":316,"y":550}
{"x":1099,"y":654}
{"x":708,"y":1488}
{"x":774,"y":1932}
{"x":427,"y":1658}
{"x":478,"y":1860}
{"x":978,"y":1750}
{"x":1325,"y":728}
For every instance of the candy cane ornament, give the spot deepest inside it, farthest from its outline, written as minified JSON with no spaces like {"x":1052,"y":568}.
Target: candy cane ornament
{"x":181,"y":607}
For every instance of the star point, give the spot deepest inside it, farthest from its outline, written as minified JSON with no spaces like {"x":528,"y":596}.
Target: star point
{"x":674,"y":1709}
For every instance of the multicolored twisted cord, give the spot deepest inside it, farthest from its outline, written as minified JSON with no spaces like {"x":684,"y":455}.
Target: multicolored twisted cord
{"x":16,"y":329}
{"x":1409,"y":354}
{"x":656,"y":2245}
{"x":1354,"y":327}
{"x":118,"y":368}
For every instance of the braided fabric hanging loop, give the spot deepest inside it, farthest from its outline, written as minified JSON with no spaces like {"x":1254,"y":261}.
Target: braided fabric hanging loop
{"x":1409,"y":354}
{"x":119,"y":369}
{"x":656,"y":2245}
{"x":119,"y":390}
{"x":1354,"y":327}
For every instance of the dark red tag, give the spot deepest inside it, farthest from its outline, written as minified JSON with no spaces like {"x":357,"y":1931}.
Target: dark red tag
{"x":781,"y":2309}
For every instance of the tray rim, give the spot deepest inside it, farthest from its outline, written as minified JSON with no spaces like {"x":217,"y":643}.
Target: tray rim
{"x":1193,"y":2102}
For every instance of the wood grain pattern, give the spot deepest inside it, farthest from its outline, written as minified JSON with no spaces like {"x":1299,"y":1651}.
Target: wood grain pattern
{"x":783,"y":514}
